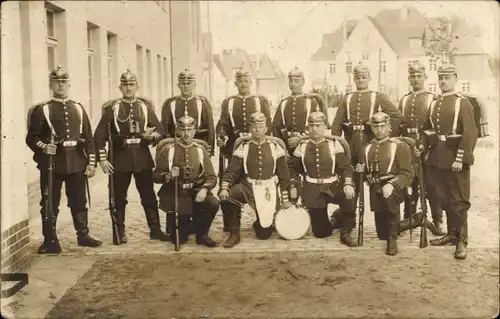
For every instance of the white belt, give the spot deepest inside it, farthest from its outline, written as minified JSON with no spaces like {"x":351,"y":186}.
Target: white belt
{"x":412,"y":130}
{"x":245,"y":134}
{"x":133,"y":141}
{"x":69,"y":143}
{"x":358,"y":127}
{"x":442,"y":138}
{"x":259,"y":181}
{"x":187,"y":186}
{"x":328,"y":180}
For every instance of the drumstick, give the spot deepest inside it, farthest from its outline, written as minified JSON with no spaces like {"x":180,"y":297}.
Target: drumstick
{"x":234,"y":201}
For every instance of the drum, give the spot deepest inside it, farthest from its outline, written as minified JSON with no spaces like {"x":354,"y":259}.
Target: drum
{"x":292,"y":223}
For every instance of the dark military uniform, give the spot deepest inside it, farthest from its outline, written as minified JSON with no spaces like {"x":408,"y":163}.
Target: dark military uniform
{"x":235,"y":114}
{"x":389,"y":161}
{"x":326,"y":170}
{"x":451,"y":137}
{"x":196,"y":172}
{"x":414,"y":106}
{"x":68,"y":121}
{"x":127,"y":121}
{"x":196,"y":107}
{"x":254,"y":163}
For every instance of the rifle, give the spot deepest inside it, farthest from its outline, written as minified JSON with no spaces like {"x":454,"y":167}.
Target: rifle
{"x":49,"y":190}
{"x":112,"y":206}
{"x":361,"y":203}
{"x":222,"y":134}
{"x":423,"y":204}
{"x":176,"y":200}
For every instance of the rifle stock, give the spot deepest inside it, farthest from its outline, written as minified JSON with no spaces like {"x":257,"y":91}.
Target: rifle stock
{"x":423,"y":204}
{"x":111,"y":183}
{"x":221,"y":157}
{"x":361,"y":208}
{"x":49,"y":208}
{"x":176,"y":199}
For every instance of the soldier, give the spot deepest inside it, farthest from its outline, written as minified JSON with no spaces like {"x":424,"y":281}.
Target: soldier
{"x":195,"y":106}
{"x":188,"y":160}
{"x":451,"y":135}
{"x":235,"y":114}
{"x":414,"y":106}
{"x":389,"y":171}
{"x":258,"y":163}
{"x":134,"y":126}
{"x":355,"y":111}
{"x":328,"y":179}
{"x":74,"y":158}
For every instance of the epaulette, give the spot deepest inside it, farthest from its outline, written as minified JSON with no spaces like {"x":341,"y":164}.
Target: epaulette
{"x":201,"y":97}
{"x":164,"y":144}
{"x":145,"y":100}
{"x":241,"y":140}
{"x":109,"y":103}
{"x":276,"y":140}
{"x":408,"y":93}
{"x":393,"y":139}
{"x":33,"y":107}
{"x":201,"y":143}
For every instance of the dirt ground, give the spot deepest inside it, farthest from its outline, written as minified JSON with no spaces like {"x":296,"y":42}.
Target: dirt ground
{"x":425,"y":283}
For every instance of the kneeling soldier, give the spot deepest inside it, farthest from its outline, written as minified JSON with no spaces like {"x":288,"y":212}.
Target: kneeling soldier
{"x":259,"y":162}
{"x":327,"y":174}
{"x":189,"y":161}
{"x":389,"y":172}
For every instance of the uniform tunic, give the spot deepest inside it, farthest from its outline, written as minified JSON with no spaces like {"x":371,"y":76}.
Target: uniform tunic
{"x":414,"y":107}
{"x":198,"y":108}
{"x":235,"y":114}
{"x":360,"y":109}
{"x":127,"y":157}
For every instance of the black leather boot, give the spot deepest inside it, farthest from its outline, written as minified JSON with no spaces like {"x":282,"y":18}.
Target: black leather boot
{"x":205,"y":240}
{"x":450,"y":238}
{"x":461,"y":245}
{"x":80,"y":221}
{"x":120,"y":221}
{"x":336,"y":219}
{"x":437,"y":217}
{"x":345,"y":232}
{"x":392,"y":240}
{"x":155,"y":232}
{"x":234,"y":230}
{"x":50,"y":244}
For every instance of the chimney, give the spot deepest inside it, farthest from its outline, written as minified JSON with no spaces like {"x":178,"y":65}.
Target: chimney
{"x":404,"y":13}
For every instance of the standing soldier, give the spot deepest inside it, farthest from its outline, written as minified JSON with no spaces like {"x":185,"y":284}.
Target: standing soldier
{"x":188,"y":160}
{"x":389,"y":171}
{"x":258,"y":164}
{"x":74,"y":156}
{"x":235,"y":115}
{"x":414,"y":107}
{"x":134,"y":126}
{"x":355,"y":111}
{"x":193,"y":105}
{"x":327,"y":170}
{"x":451,"y":138}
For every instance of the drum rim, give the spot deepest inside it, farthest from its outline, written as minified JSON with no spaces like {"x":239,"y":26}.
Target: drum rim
{"x":284,"y":211}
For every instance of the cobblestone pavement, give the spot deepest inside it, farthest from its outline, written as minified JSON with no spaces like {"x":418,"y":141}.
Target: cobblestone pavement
{"x":483,"y":225}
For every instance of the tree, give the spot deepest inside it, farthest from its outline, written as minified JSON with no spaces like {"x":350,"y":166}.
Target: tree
{"x":438,"y":41}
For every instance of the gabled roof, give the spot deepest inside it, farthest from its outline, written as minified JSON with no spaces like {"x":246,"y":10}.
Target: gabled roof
{"x":265,"y":69}
{"x":332,"y":42}
{"x":277,"y":70}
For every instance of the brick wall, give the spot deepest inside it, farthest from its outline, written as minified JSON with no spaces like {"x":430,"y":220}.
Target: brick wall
{"x":15,"y":248}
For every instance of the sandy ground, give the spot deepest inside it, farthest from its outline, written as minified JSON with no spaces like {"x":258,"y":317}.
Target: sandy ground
{"x":429,"y":284}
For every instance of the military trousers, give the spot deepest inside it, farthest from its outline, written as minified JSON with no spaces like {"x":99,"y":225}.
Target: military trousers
{"x":386,"y":210}
{"x":75,"y":194}
{"x":144,"y":184}
{"x":412,"y":199}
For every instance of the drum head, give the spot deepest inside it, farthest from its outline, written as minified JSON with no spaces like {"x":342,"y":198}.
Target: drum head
{"x":292,"y":223}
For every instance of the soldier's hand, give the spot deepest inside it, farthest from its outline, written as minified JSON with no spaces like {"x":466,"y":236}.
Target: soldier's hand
{"x":220,"y":142}
{"x":360,"y":168}
{"x":201,"y":195}
{"x":90,"y":171}
{"x":293,"y":192}
{"x":387,"y":190}
{"x":349,"y":191}
{"x":175,"y":171}
{"x":417,"y":152}
{"x":457,"y":166}
{"x":223,"y":195}
{"x":50,"y":149}
{"x":293,"y":141}
{"x":107,"y":167}
{"x":287,"y":204}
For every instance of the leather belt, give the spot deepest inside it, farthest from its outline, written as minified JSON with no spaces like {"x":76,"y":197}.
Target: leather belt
{"x":259,"y":181}
{"x":130,"y":141}
{"x":413,"y":130}
{"x":328,"y":180}
{"x":187,"y":186}
{"x":69,"y":143}
{"x":358,"y":127}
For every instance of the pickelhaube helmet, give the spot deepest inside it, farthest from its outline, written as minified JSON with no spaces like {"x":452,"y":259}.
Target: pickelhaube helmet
{"x":186,"y":121}
{"x":416,"y":68}
{"x":59,"y":74}
{"x":241,"y":73}
{"x":257,"y":118}
{"x":186,"y":76}
{"x":128,"y":77}
{"x":316,"y":117}
{"x":361,"y":69}
{"x":447,"y":68}
{"x":380,"y":118}
{"x":296,"y":73}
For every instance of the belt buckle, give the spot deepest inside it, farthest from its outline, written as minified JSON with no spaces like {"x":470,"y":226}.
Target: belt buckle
{"x":442,"y":138}
{"x":187,"y":186}
{"x":320,"y":180}
{"x":258,"y":182}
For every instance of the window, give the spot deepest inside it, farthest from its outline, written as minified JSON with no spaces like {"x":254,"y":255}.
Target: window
{"x":348,"y":88}
{"x":415,"y":43}
{"x":365,"y":55}
{"x":432,"y":65}
{"x":348,"y":67}
{"x":382,"y":66}
{"x":52,"y":40}
{"x":411,"y":62}
{"x":112,"y":55}
{"x":466,"y":87}
{"x":332,"y":68}
{"x":432,"y":88}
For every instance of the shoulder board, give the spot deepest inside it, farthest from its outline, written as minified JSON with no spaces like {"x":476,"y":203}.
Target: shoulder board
{"x":394,"y":140}
{"x":145,"y":100}
{"x":241,"y":140}
{"x":109,"y":103}
{"x":459,"y":94}
{"x":230,"y":97}
{"x":408,"y":93}
{"x":164,"y":144}
{"x":39,"y":104}
{"x":276,"y":140}
{"x":201,"y":97}
{"x":201,"y":143}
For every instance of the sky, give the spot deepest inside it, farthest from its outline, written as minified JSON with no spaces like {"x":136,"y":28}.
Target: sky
{"x":290,"y":31}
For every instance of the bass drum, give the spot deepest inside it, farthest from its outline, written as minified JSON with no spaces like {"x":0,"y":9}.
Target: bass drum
{"x":292,"y":223}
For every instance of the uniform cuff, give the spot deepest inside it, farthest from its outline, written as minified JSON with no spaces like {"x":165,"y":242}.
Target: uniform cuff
{"x":460,"y":156}
{"x":348,"y":181}
{"x":284,"y":196}
{"x":92,"y":159}
{"x":102,"y":155}
{"x":41,"y":144}
{"x":225,"y":185}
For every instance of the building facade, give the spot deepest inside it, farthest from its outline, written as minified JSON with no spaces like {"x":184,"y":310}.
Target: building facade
{"x":387,"y":43}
